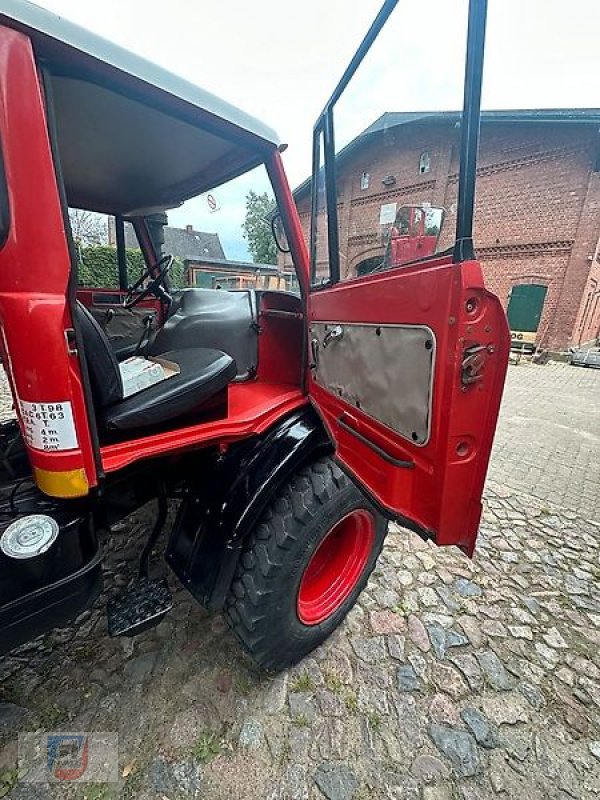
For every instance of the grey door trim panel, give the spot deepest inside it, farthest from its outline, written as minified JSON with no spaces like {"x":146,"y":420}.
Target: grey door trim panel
{"x":386,"y":370}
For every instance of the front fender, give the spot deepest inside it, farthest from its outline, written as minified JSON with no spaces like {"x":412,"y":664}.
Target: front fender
{"x":223,"y":504}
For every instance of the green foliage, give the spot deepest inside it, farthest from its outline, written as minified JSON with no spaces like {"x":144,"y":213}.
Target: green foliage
{"x":302,"y":683}
{"x":207,"y":747}
{"x":98,"y":268}
{"x":257,"y":228}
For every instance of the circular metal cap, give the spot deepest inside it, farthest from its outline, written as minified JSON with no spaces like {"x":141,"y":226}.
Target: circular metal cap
{"x":29,"y":536}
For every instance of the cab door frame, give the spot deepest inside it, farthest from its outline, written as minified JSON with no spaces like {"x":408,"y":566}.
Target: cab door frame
{"x":431,"y":480}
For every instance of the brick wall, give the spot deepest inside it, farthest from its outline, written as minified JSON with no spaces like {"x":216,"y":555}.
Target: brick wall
{"x":537,"y":217}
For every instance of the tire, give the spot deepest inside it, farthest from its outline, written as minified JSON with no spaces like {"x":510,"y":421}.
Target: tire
{"x":304,"y":566}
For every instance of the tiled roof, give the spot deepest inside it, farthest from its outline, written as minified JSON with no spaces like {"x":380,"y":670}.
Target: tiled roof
{"x":184,"y":243}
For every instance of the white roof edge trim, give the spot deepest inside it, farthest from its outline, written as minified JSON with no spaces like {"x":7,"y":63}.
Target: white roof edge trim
{"x":39,"y":19}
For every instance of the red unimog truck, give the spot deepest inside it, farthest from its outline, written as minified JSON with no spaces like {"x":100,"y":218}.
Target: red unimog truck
{"x":288,"y":428}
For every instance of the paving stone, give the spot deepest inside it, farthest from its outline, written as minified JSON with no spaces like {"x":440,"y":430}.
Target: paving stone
{"x":467,"y":664}
{"x":458,"y":746}
{"x":294,"y":783}
{"x":417,"y":634}
{"x":141,"y":668}
{"x":442,"y":709}
{"x":442,"y":639}
{"x":336,"y":781}
{"x":276,"y":694}
{"x":428,"y":596}
{"x":494,"y":671}
{"x":371,"y":650}
{"x":396,"y":646}
{"x":521,"y":632}
{"x":449,"y":680}
{"x":494,"y":628}
{"x":301,"y":706}
{"x":466,"y":588}
{"x":338,"y":664}
{"x":506,"y":709}
{"x":472,"y":629}
{"x":428,"y":768}
{"x":386,"y":621}
{"x":14,"y":718}
{"x":251,"y":734}
{"x":554,"y":639}
{"x":533,"y":695}
{"x":406,"y":678}
{"x":441,"y":791}
{"x":480,"y":727}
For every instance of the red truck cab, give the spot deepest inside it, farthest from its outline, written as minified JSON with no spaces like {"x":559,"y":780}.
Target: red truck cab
{"x":289,"y":427}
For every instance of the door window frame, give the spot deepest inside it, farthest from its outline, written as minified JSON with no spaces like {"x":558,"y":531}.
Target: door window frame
{"x":462,"y":249}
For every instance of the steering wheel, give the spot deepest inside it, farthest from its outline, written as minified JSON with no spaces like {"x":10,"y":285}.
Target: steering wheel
{"x":135,"y":295}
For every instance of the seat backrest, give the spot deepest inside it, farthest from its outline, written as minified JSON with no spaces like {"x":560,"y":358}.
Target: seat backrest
{"x":103,"y":367}
{"x":214,"y":318}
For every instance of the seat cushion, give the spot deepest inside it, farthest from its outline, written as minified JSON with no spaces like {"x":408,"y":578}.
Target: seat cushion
{"x":203,"y":373}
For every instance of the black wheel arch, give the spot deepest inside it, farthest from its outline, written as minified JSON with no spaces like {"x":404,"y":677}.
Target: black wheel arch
{"x":223,"y":503}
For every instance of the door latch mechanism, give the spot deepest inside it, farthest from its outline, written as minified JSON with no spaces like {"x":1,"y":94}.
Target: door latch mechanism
{"x":332,"y":334}
{"x":472,"y":363}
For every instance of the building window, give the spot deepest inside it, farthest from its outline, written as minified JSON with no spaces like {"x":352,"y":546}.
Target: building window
{"x":424,"y":163}
{"x":364,"y":181}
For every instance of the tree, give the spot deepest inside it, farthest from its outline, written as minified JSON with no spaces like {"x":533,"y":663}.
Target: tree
{"x":88,"y":228}
{"x":257,"y":228}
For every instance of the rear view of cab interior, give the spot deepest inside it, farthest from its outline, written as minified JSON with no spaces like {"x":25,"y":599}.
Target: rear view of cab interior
{"x":234,"y":357}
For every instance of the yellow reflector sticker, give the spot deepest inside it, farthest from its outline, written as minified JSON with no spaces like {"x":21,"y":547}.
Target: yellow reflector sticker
{"x":66,"y":483}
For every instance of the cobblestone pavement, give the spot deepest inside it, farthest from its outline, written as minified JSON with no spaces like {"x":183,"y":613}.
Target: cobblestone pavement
{"x":548,"y":440}
{"x":450,"y":679}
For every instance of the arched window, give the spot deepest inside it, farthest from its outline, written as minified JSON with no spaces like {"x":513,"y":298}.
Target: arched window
{"x":424,"y":163}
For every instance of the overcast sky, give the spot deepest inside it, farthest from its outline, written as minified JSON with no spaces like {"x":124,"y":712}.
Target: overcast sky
{"x":279,"y":60}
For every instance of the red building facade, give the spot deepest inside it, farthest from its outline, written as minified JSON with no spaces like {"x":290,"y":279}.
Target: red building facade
{"x":537,"y":221}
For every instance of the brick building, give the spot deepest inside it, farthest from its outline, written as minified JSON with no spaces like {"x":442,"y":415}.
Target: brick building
{"x":537,"y":221}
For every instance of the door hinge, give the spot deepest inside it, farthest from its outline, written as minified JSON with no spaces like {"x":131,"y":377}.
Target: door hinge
{"x":71,"y":341}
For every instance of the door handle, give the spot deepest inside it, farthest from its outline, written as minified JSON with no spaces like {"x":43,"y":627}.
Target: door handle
{"x":334,"y":333}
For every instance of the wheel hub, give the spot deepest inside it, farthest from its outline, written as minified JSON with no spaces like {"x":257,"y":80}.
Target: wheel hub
{"x":335,"y":567}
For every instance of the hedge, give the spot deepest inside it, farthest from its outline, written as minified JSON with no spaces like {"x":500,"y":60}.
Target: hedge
{"x":98,"y":268}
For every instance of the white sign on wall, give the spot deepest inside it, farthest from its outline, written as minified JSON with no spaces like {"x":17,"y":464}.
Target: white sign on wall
{"x":387,"y":214}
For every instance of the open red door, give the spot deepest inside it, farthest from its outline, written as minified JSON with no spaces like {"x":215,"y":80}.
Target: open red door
{"x":408,"y":360}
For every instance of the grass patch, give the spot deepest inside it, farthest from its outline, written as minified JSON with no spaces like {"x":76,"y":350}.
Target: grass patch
{"x":207,"y":747}
{"x":351,"y":702}
{"x":404,"y":608}
{"x":332,"y":681}
{"x":301,"y":721}
{"x":51,"y":716}
{"x":8,"y":780}
{"x":95,"y":791}
{"x":302,"y":683}
{"x":374,"y":720}
{"x":243,"y":685}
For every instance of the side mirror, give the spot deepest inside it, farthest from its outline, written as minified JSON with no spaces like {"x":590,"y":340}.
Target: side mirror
{"x":279,"y":234}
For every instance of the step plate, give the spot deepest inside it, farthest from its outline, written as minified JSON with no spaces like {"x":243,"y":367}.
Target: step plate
{"x":141,"y":606}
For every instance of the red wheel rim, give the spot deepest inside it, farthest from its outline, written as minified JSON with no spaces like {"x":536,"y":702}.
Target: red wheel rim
{"x":335,"y":567}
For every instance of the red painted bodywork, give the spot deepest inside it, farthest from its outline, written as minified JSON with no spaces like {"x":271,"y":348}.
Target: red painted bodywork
{"x":442,"y":492}
{"x":412,"y":245}
{"x":35,"y":262}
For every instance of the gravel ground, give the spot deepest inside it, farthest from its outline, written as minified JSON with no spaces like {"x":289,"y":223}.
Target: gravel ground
{"x":450,"y":679}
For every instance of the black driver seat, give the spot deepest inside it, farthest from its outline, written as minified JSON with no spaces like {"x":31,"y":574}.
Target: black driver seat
{"x":203,"y":373}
